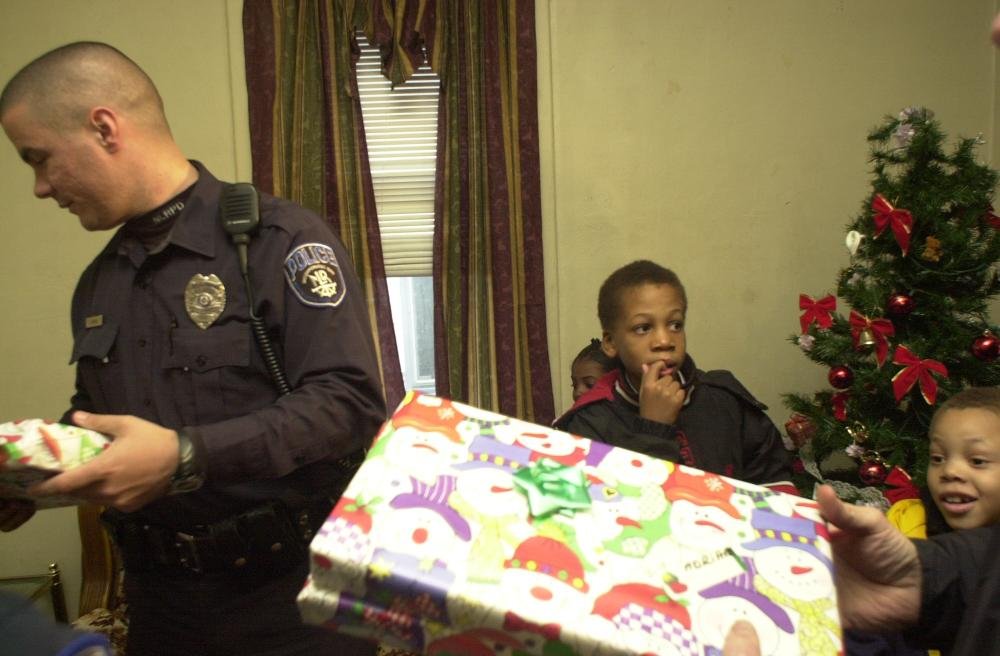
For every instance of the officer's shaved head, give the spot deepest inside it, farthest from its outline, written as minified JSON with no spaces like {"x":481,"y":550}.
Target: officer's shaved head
{"x":61,"y":86}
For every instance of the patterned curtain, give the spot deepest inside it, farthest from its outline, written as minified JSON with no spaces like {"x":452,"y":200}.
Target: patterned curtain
{"x":490,"y":334}
{"x":308,"y":139}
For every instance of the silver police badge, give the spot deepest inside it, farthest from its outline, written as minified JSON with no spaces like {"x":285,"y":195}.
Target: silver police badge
{"x":204,"y":299}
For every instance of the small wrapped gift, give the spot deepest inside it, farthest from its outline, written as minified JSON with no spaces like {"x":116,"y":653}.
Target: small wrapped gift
{"x":32,"y":450}
{"x":467,"y":532}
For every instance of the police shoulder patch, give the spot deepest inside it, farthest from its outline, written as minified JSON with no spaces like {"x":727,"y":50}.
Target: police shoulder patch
{"x":313,"y":273}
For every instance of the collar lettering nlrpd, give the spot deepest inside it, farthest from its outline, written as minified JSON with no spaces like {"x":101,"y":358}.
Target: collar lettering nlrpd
{"x":168,"y":212}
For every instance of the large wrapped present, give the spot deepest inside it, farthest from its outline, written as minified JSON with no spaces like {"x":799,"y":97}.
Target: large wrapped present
{"x":32,"y":450}
{"x":467,"y":532}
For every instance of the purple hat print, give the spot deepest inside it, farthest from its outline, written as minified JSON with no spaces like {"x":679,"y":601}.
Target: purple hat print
{"x":742,"y":586}
{"x":434,"y":497}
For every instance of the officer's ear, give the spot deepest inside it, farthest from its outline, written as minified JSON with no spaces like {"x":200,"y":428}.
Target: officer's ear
{"x":104,"y":123}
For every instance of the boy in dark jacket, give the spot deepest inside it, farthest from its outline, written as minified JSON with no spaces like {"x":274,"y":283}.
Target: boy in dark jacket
{"x":658,"y":402}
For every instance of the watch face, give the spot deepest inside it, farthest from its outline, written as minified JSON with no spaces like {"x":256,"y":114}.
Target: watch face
{"x":188,"y":476}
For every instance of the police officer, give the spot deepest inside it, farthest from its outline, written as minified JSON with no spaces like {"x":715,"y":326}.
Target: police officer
{"x":215,"y":478}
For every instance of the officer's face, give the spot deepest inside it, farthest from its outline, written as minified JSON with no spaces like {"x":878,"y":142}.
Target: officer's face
{"x":70,"y":166}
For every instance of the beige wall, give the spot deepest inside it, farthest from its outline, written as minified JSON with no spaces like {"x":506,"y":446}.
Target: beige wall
{"x":186,"y":46}
{"x":724,"y":139}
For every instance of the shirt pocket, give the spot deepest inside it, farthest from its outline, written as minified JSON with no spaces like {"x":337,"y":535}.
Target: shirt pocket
{"x":98,"y":367}
{"x":210,"y":372}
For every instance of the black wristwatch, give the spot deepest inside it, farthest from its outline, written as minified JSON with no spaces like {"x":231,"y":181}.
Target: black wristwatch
{"x":190,"y":474}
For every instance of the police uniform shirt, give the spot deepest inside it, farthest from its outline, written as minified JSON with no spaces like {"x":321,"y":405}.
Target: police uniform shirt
{"x":139,"y":350}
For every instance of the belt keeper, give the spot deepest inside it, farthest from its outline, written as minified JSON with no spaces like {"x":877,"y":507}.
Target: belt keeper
{"x":158,"y":541}
{"x":231,"y":547}
{"x":267,"y":529}
{"x":187,"y":552}
{"x":303,"y":524}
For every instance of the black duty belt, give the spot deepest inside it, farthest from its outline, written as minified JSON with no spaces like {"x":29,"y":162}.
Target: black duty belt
{"x":266,"y":537}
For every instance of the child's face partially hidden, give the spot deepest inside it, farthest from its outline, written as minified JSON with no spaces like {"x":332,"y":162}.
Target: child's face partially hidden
{"x":583,"y":375}
{"x":964,"y":471}
{"x":649,"y":330}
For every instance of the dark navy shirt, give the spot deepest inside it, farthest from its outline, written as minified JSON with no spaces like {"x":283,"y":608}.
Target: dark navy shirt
{"x":139,"y":351}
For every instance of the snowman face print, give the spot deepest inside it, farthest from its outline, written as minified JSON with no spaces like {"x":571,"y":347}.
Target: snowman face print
{"x":795,"y":571}
{"x":541,"y":597}
{"x":611,"y":513}
{"x":419,"y":451}
{"x":420,"y":532}
{"x":491,"y":491}
{"x":701,"y":527}
{"x":553,"y":444}
{"x":634,"y":469}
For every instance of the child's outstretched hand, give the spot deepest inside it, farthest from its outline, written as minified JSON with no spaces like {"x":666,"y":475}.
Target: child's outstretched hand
{"x":660,"y":397}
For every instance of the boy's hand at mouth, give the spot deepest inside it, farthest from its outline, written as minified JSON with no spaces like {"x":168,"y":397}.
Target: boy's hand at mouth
{"x":661,"y":396}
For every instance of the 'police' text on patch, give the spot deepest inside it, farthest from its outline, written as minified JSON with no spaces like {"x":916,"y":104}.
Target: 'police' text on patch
{"x":313,"y":273}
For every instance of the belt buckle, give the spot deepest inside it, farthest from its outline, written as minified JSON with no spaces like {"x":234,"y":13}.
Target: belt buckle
{"x":187,"y":552}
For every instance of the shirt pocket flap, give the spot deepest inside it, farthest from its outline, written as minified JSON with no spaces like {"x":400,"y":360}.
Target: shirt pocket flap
{"x":95,"y":342}
{"x":202,"y":350}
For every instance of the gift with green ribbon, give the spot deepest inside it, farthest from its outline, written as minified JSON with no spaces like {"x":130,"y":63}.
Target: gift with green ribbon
{"x":552,"y":487}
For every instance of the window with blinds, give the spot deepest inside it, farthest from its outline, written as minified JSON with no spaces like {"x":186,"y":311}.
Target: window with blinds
{"x":401,"y":130}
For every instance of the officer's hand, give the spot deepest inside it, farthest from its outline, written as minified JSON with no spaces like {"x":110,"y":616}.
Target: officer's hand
{"x":877,"y":572}
{"x":14,"y":512}
{"x":135,"y":469}
{"x":661,"y":397}
{"x":741,"y":640}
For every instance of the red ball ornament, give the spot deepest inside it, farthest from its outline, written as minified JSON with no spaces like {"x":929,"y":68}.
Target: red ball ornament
{"x":840,"y":377}
{"x":872,"y":472}
{"x":900,"y":305}
{"x":986,"y":347}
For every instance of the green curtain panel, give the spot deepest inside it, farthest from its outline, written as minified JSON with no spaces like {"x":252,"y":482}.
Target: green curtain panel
{"x":489,"y":295}
{"x":308,"y":139}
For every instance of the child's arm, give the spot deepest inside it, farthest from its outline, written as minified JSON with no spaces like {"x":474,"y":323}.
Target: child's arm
{"x":617,"y":426}
{"x":765,"y":459}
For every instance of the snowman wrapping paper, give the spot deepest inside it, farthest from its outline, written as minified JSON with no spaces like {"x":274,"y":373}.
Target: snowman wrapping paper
{"x":467,"y":532}
{"x":32,"y":450}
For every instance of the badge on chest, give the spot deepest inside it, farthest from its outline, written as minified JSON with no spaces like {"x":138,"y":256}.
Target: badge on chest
{"x":204,"y":299}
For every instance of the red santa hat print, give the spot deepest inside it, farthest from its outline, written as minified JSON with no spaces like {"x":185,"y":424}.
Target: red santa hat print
{"x":550,"y":557}
{"x":703,"y":489}
{"x":430,"y":414}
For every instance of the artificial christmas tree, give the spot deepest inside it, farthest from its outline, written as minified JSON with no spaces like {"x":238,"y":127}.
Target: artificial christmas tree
{"x":911,"y":325}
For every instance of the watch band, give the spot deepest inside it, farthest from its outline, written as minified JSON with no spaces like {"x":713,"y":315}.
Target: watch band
{"x":189,"y":475}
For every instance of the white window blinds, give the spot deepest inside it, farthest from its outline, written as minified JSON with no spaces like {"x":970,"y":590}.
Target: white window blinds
{"x":401,"y":131}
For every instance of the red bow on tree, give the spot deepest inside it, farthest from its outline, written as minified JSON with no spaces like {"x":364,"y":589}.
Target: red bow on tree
{"x":818,"y":311}
{"x":992,"y":218}
{"x":839,"y":403}
{"x":882,"y":329}
{"x":901,"y":221}
{"x":899,"y":486}
{"x":914,"y":369}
